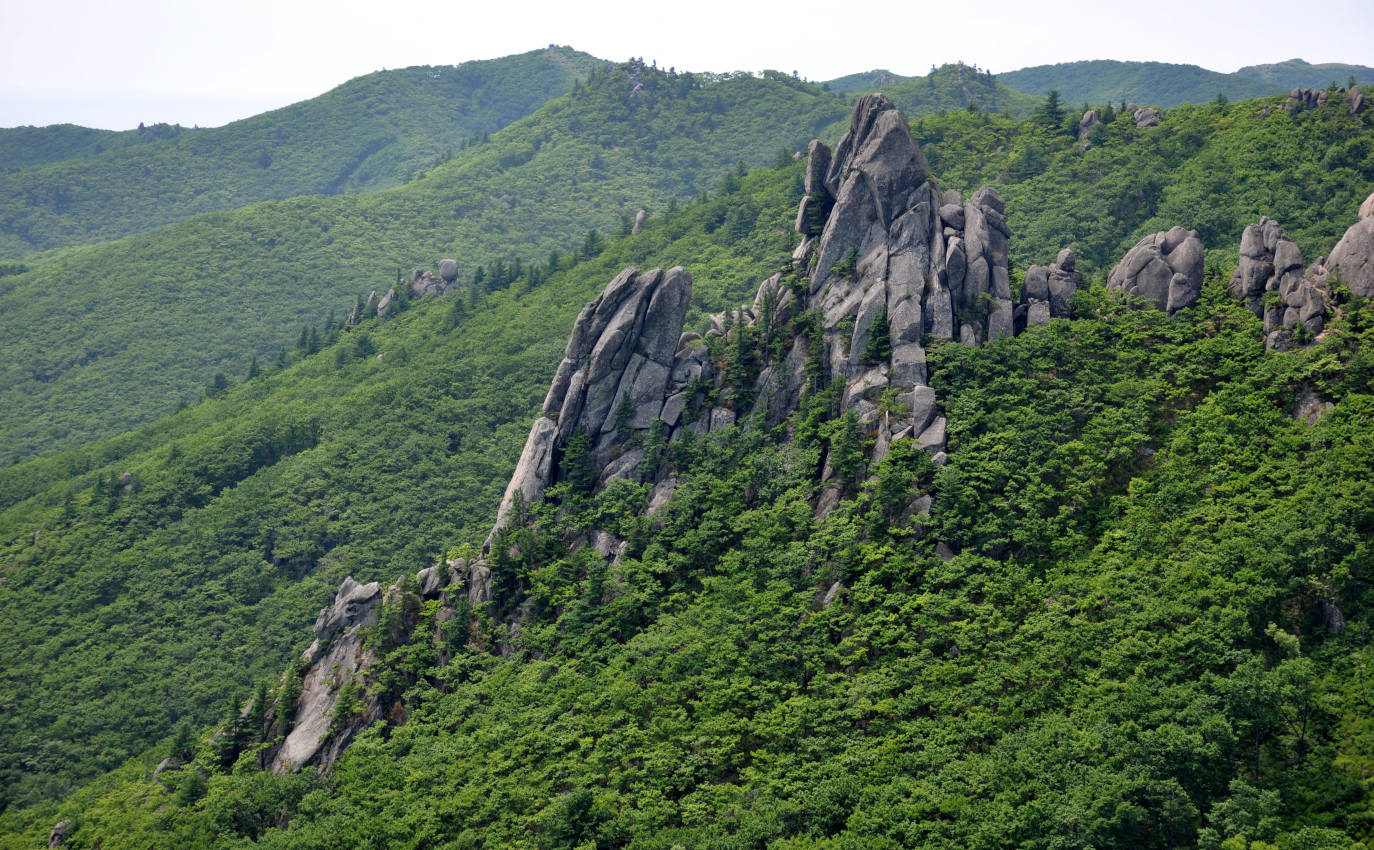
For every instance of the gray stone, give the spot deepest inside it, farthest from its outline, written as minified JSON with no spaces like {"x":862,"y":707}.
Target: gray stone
{"x":640,"y":217}
{"x":952,"y":215}
{"x":1086,"y":125}
{"x":932,"y":439}
{"x":1165,"y":268}
{"x":1367,"y":208}
{"x":1147,"y":117}
{"x":334,"y":659}
{"x":1355,"y":99}
{"x":1353,"y":257}
{"x":448,"y":270}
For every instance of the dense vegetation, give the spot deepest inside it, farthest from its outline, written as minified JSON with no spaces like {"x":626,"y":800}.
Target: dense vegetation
{"x":244,"y":511}
{"x":1212,"y":168}
{"x":1297,"y":74}
{"x":1154,"y":83}
{"x":1150,"y":635}
{"x":370,"y":133}
{"x":100,"y":339}
{"x":1148,"y":623}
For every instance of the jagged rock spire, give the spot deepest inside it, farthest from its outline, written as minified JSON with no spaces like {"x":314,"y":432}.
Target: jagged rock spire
{"x":619,"y":371}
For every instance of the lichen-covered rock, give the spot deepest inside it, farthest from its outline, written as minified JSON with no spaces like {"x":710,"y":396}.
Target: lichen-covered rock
{"x":1147,"y":117}
{"x":1165,"y":268}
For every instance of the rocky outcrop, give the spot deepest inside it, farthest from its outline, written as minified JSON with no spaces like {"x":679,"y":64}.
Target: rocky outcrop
{"x":1353,"y":255}
{"x":425,"y":282}
{"x":1086,"y":126}
{"x":448,"y":270}
{"x":1270,"y":280}
{"x":1048,"y":291}
{"x":334,"y":659}
{"x":623,"y":369}
{"x":1146,"y":116}
{"x":1165,"y":268}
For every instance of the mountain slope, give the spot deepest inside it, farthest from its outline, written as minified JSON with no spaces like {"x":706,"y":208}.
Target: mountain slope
{"x":1297,"y":74}
{"x":949,"y":87}
{"x":1130,"y":614}
{"x":370,"y":133}
{"x":179,"y":304}
{"x":25,"y":147}
{"x":379,"y":453}
{"x":1154,"y":83}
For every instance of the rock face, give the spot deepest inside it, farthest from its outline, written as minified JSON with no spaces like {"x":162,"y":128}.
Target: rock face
{"x":1353,"y":256}
{"x":1165,"y":268}
{"x":333,"y":659}
{"x":893,"y":244}
{"x":623,"y":369}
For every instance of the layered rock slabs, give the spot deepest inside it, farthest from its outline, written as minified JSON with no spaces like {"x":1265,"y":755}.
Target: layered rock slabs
{"x":622,"y":370}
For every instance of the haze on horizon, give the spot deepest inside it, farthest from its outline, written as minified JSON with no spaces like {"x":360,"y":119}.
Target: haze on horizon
{"x":108,"y":65}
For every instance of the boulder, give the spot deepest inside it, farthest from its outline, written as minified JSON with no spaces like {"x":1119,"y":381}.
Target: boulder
{"x":1086,"y":125}
{"x":640,"y":217}
{"x":1147,"y":117}
{"x":1165,"y":268}
{"x":1353,"y":255}
{"x":448,"y":270}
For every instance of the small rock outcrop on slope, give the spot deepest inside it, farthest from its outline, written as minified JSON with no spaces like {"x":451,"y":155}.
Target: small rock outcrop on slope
{"x":1048,"y":291}
{"x":1353,"y":255}
{"x":1270,"y":262}
{"x":332,"y":660}
{"x":1165,"y":268}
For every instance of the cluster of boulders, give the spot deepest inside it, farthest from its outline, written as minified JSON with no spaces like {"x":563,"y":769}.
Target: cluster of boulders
{"x":422,"y":282}
{"x":1295,"y":302}
{"x":1270,"y":280}
{"x":1300,"y":100}
{"x":1048,"y":291}
{"x":1165,"y":268}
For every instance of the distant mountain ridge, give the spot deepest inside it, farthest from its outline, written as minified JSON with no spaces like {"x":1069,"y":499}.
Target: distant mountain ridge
{"x":1295,"y":73}
{"x":77,"y":186}
{"x":1103,"y":81}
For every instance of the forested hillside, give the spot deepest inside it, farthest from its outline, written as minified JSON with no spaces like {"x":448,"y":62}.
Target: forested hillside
{"x":379,"y":453}
{"x":103,"y":338}
{"x":373,"y":132}
{"x":1111,"y":587}
{"x":1297,"y":74}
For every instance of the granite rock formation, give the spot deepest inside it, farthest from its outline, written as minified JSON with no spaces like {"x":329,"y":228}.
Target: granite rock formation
{"x":1353,"y":255}
{"x":1048,"y":291}
{"x":626,"y":365}
{"x":1271,"y":263}
{"x":332,"y":660}
{"x":1165,"y":268}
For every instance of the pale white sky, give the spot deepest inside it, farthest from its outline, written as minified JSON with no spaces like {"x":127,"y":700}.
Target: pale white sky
{"x":113,"y":64}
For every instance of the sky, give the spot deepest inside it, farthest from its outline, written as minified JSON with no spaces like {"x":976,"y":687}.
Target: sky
{"x":116,"y":64}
